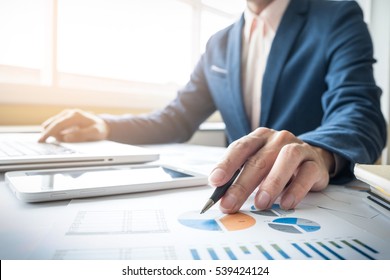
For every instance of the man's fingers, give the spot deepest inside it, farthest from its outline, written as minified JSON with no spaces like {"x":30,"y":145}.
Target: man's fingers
{"x":283,"y":169}
{"x":56,"y":127}
{"x":68,"y":126}
{"x":307,"y":176}
{"x":47,"y":122}
{"x":253,"y":172}
{"x":237,"y":154}
{"x":89,"y":133}
{"x":296,"y":168}
{"x":278,"y":163}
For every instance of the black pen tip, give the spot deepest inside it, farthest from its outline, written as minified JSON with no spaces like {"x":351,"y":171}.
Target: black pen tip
{"x":207,"y":206}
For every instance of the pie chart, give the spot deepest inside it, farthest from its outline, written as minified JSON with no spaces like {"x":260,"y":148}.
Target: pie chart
{"x":294,"y":225}
{"x":216,"y":221}
{"x":274,"y":211}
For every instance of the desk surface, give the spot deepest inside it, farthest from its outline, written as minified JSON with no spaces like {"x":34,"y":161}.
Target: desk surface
{"x":26,"y":227}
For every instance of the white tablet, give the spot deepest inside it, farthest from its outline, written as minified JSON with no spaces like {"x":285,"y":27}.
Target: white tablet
{"x":67,"y":183}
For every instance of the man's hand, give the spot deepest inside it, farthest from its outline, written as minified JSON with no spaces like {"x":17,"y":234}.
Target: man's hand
{"x":276,"y":162}
{"x":74,"y":126}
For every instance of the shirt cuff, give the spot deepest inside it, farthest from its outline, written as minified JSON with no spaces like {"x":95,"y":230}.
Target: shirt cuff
{"x":339,"y":163}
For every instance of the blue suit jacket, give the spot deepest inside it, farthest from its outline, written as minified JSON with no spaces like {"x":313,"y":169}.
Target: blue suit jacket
{"x":318,"y":84}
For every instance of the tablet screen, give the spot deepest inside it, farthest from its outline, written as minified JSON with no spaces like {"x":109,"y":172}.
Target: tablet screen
{"x":99,"y":177}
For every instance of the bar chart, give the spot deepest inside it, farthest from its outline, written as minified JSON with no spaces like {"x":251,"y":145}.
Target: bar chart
{"x":147,"y":230}
{"x":339,"y":249}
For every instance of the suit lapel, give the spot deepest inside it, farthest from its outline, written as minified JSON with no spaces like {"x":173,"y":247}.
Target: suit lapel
{"x":292,"y":22}
{"x":242,"y":126}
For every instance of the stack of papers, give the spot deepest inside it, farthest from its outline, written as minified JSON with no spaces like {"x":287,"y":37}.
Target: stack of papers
{"x":150,"y":227}
{"x":378,"y":177}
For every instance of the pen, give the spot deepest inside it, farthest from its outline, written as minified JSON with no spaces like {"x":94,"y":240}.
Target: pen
{"x":219,"y":193}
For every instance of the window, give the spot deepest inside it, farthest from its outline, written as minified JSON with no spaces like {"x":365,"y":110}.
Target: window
{"x":104,"y":52}
{"x":22,"y":41}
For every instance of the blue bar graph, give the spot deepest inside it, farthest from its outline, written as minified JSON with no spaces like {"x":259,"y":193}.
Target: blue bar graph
{"x":338,"y":246}
{"x":341,"y":249}
{"x":366,"y":246}
{"x":245,"y":250}
{"x":358,"y":250}
{"x":212,"y":253}
{"x":280,"y":251}
{"x":330,"y":250}
{"x":195,"y":254}
{"x":300,"y":249}
{"x":317,"y":251}
{"x":230,"y":253}
{"x":264,"y":252}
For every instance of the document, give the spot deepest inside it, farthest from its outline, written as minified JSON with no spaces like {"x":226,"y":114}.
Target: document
{"x":345,"y":199}
{"x":166,"y":225}
{"x":377,"y":176}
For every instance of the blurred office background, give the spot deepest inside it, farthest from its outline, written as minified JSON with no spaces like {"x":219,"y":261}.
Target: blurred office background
{"x":121,"y":56}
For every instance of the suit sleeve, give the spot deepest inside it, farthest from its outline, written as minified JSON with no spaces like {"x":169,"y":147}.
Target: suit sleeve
{"x":353,"y":125}
{"x":176,"y":122}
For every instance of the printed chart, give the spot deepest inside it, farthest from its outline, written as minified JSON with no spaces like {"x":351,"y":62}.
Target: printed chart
{"x":132,"y":253}
{"x":321,"y":249}
{"x":274,"y":211}
{"x":215,"y":221}
{"x":108,"y":230}
{"x":118,"y":222}
{"x":294,"y":225}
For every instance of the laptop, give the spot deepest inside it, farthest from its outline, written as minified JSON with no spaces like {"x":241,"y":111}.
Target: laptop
{"x":22,"y":151}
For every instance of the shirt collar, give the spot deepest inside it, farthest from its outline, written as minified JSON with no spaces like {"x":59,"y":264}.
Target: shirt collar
{"x":272,"y":15}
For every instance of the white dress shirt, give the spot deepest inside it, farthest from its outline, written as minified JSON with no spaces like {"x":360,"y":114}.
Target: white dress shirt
{"x":256,"y":47}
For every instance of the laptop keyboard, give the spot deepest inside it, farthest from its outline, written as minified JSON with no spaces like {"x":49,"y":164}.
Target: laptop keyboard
{"x":18,"y":148}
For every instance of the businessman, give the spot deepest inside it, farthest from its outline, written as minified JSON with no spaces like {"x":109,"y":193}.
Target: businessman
{"x":293,"y":82}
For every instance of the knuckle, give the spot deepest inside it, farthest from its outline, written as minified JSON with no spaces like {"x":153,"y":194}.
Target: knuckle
{"x":293,"y":150}
{"x":77,"y":113}
{"x":239,"y":189}
{"x":319,"y":186}
{"x":261,"y":131}
{"x":275,"y":182}
{"x":284,"y":136}
{"x":311,"y":166}
{"x":69,"y":113}
{"x":71,"y":110}
{"x":241,"y":144}
{"x":300,"y":188}
{"x":256,"y":162}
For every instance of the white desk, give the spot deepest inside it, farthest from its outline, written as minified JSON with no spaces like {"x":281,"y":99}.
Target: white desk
{"x":24,"y":226}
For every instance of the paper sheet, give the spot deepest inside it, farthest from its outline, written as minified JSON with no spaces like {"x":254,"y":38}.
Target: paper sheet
{"x":167,"y":225}
{"x":342,"y":199}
